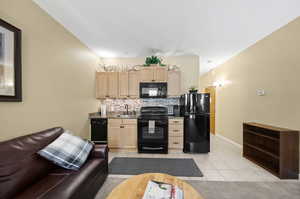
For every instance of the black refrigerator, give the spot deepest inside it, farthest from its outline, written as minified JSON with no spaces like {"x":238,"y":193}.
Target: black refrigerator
{"x":194,"y":107}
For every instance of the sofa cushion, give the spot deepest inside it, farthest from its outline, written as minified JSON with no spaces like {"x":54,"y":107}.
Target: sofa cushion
{"x":42,"y":187}
{"x":67,"y":151}
{"x":20,"y":166}
{"x":67,"y":184}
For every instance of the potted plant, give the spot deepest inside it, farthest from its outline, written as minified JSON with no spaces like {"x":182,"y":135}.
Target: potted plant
{"x":153,"y":61}
{"x":193,"y":89}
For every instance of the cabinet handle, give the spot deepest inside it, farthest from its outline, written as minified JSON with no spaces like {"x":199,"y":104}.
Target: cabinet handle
{"x":175,"y":142}
{"x":121,"y":127}
{"x":175,"y":130}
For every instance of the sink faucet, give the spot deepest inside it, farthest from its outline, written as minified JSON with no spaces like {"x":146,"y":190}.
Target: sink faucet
{"x":126,"y":107}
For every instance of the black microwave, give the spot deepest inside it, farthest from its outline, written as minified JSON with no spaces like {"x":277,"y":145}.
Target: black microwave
{"x":153,"y":90}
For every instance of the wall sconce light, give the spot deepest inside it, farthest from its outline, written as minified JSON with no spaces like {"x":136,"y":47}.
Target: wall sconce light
{"x":220,"y":83}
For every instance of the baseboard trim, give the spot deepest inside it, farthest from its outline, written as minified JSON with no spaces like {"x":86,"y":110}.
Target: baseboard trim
{"x":229,"y":140}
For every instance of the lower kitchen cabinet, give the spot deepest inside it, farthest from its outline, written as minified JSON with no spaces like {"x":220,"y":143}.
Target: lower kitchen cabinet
{"x":176,"y":134}
{"x":122,"y":133}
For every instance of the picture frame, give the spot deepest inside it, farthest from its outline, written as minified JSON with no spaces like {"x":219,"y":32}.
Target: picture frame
{"x":10,"y":63}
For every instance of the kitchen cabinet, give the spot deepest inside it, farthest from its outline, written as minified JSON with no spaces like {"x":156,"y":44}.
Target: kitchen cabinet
{"x":129,"y":84}
{"x":113,"y":85}
{"x":174,"y":83}
{"x":133,"y":84}
{"x":126,"y":84}
{"x":106,"y":85}
{"x":160,"y":74}
{"x":153,"y":74}
{"x":122,"y":133}
{"x":123,"y":84}
{"x":146,"y":74}
{"x":101,"y":85}
{"x":176,"y":134}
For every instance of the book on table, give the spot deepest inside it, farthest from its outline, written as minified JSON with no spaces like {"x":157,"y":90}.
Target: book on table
{"x":161,"y":190}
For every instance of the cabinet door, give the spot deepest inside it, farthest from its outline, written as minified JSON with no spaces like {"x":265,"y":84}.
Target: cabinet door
{"x":114,"y":137}
{"x":123,"y":84}
{"x":174,"y":83}
{"x":134,"y":84}
{"x":147,"y":74}
{"x":175,"y":142}
{"x":160,"y":74}
{"x":129,"y":136}
{"x":101,"y":85}
{"x":113,"y":84}
{"x":114,"y":133}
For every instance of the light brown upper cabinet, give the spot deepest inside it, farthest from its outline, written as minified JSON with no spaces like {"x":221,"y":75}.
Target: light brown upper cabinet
{"x":174,"y":83}
{"x":123,"y":84}
{"x":101,"y":85}
{"x":133,"y":84}
{"x":146,"y":74}
{"x":153,"y":74}
{"x":113,"y":84}
{"x":107,"y":85}
{"x":160,"y":74}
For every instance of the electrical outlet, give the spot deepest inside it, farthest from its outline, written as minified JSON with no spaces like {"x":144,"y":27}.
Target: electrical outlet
{"x":260,"y":92}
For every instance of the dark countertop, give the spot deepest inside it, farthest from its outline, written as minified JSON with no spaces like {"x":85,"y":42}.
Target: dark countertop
{"x":97,"y":115}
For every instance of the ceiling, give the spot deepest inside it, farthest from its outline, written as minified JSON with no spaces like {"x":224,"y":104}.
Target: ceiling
{"x":213,"y":29}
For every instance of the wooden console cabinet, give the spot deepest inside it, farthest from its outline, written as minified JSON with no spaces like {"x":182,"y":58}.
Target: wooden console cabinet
{"x":275,"y":149}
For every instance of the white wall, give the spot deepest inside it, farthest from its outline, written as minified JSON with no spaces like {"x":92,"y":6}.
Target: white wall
{"x":58,"y":75}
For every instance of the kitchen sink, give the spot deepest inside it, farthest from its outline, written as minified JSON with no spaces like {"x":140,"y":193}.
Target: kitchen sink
{"x":129,"y":115}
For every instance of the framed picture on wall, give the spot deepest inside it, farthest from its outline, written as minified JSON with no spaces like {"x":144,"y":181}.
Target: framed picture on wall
{"x":10,"y":63}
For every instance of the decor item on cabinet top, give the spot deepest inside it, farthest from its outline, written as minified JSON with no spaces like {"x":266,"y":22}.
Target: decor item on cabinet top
{"x":154,"y":61}
{"x":193,"y":89}
{"x":173,"y":68}
{"x":117,"y":68}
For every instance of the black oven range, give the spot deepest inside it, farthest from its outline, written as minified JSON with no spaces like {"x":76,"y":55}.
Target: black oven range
{"x":153,"y":130}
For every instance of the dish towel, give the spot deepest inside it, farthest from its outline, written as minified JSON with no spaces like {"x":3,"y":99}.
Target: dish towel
{"x":151,"y":126}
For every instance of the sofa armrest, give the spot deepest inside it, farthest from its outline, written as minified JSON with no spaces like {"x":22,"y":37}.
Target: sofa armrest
{"x":100,"y":151}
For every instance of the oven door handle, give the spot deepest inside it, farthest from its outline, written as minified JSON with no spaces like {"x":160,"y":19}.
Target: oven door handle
{"x":152,"y":148}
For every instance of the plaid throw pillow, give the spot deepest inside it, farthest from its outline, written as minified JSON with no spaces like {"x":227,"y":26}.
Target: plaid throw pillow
{"x":67,"y":151}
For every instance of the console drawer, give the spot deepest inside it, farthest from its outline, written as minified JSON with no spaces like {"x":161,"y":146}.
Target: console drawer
{"x":176,"y":142}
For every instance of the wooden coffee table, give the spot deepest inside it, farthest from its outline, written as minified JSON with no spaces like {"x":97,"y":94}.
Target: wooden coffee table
{"x":134,"y":187}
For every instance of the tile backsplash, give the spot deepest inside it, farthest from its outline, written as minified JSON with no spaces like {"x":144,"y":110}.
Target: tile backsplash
{"x":117,"y":105}
{"x":160,"y":102}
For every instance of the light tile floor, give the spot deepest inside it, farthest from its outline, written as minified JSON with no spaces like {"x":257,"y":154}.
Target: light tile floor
{"x":223,"y":163}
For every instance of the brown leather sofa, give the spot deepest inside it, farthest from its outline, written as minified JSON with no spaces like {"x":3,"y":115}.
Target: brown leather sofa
{"x":26,"y":175}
